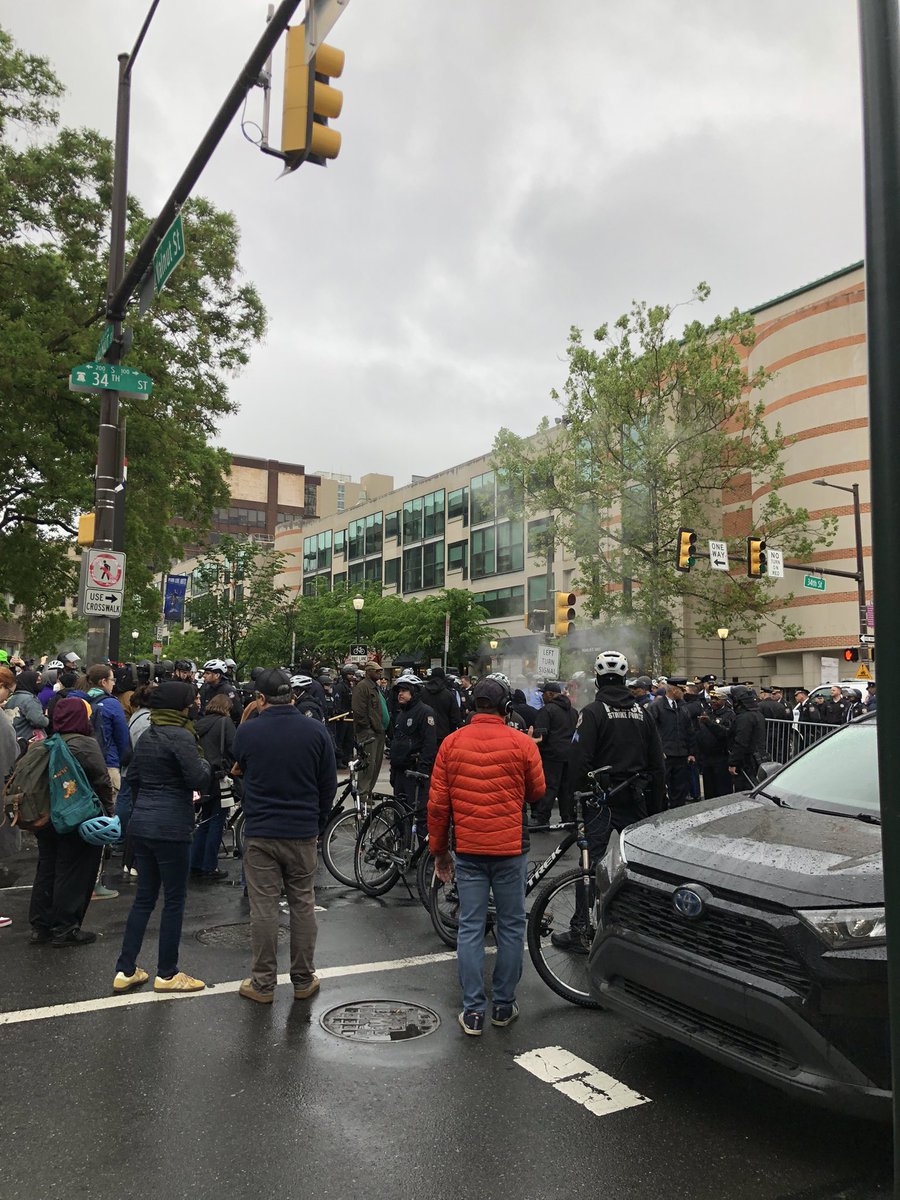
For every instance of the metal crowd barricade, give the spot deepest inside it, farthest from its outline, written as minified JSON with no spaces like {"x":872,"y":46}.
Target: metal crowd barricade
{"x":786,"y":739}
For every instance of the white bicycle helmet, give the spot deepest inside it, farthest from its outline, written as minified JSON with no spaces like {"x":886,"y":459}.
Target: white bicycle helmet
{"x":56,"y":665}
{"x":216,"y":664}
{"x":411,"y":681}
{"x":501,"y":678}
{"x":611,"y":662}
{"x":299,"y":683}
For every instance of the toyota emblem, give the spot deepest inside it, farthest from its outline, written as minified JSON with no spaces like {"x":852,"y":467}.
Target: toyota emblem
{"x":687,"y":902}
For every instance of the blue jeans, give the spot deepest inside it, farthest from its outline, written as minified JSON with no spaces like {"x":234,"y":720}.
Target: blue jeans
{"x":158,"y":863}
{"x":477,"y":875}
{"x":207,"y":839}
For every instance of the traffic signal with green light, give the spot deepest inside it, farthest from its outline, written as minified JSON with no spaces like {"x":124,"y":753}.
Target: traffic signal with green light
{"x":851,"y":655}
{"x":756,"y":557}
{"x":687,"y":545}
{"x":309,"y":102}
{"x":564,"y":613}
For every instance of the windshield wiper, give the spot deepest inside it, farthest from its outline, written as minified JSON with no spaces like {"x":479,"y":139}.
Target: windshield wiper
{"x":869,"y":818}
{"x":780,"y":801}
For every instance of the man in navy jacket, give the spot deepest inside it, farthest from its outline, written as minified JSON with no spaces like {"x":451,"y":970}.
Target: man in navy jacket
{"x":290,"y":779}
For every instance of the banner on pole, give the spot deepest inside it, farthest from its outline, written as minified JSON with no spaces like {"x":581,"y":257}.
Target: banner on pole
{"x":176,"y":589}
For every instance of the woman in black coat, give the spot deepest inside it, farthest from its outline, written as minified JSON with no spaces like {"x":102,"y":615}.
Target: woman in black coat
{"x":215,"y":729}
{"x":167,"y":768}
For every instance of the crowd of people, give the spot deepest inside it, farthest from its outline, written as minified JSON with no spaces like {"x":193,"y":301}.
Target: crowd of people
{"x":166,"y":748}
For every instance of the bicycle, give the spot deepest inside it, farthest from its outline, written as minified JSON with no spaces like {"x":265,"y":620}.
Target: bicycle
{"x":343,"y":826}
{"x":563,"y":903}
{"x":388,"y":846}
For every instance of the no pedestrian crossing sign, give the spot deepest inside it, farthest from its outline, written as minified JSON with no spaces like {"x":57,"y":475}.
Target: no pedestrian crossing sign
{"x":102,"y":586}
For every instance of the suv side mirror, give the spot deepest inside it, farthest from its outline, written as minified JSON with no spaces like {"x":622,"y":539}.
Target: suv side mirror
{"x":764,"y":770}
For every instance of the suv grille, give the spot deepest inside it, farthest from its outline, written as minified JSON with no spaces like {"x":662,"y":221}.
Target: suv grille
{"x":727,"y":938}
{"x":720,"y":1033}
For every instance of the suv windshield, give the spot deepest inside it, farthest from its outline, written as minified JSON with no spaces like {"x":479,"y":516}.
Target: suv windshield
{"x":840,"y":773}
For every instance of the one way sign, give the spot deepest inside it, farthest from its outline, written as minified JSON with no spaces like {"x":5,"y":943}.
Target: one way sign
{"x":718,"y":556}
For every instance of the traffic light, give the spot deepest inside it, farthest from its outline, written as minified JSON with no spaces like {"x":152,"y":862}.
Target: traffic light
{"x":756,"y":557}
{"x":564,"y":619}
{"x":687,"y":545}
{"x":851,"y":655}
{"x":536,"y":620}
{"x":309,"y":102}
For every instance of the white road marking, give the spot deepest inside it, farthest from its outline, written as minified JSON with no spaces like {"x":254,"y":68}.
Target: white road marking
{"x":218,"y":989}
{"x":593,"y":1089}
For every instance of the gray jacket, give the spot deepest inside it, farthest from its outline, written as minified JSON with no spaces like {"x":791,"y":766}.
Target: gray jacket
{"x":27,"y":714}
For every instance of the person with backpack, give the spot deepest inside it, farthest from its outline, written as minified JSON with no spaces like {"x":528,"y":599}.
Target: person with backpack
{"x":9,"y":752}
{"x":67,"y":864}
{"x":167,"y":768}
{"x":216,"y":731}
{"x":28,"y":716}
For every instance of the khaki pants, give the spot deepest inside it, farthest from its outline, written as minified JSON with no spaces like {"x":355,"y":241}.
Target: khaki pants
{"x":368,"y":776}
{"x":270,"y":863}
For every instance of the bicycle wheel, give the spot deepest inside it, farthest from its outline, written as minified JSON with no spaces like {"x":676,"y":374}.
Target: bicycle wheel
{"x":443,"y":905}
{"x":424,"y":874}
{"x":381,"y":841}
{"x":238,"y":830}
{"x":339,"y":845}
{"x":556,"y":905}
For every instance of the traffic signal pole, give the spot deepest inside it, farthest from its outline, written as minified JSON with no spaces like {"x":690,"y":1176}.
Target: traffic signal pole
{"x":880,"y":70}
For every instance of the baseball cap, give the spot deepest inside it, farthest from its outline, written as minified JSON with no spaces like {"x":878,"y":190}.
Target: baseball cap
{"x":272,"y":683}
{"x":491,"y":691}
{"x":552,"y":686}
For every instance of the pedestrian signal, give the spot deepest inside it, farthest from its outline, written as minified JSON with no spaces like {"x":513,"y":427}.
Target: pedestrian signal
{"x":851,"y":654}
{"x":564,"y":621}
{"x":687,"y":546}
{"x":756,"y":557}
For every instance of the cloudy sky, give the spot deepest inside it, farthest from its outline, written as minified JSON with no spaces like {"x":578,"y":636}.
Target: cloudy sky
{"x":509,"y":169}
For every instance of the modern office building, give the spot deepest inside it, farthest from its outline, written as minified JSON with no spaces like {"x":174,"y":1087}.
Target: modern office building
{"x":453,"y":529}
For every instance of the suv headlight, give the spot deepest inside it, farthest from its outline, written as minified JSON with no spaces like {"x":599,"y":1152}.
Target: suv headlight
{"x":611,"y":868}
{"x":843,"y":928}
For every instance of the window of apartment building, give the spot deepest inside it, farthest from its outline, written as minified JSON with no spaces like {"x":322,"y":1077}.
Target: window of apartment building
{"x":510,"y":547}
{"x":458,"y":505}
{"x":412,"y":569}
{"x":284,"y":518}
{"x":372,"y":570}
{"x":356,"y":539}
{"x":392,"y":572}
{"x":341,"y":496}
{"x":317,"y":552}
{"x":482,"y":497}
{"x":458,"y":558}
{"x":247,"y":518}
{"x":373,"y":534}
{"x":412,"y":521}
{"x":433,"y":564}
{"x":433,"y":514}
{"x":338,"y":580}
{"x":340,"y":541}
{"x":483,"y":558}
{"x":392,"y":524}
{"x":539,"y":537}
{"x":311,"y":499}
{"x":509,"y":494}
{"x":356,"y":572}
{"x":503,"y":602}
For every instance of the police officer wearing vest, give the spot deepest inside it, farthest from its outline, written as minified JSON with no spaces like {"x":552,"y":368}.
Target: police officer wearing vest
{"x":413,"y":746}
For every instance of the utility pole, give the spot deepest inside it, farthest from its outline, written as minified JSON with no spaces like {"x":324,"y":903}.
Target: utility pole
{"x":880,"y":69}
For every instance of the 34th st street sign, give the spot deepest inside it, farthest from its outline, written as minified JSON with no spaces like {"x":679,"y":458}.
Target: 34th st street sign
{"x":815,"y":583}
{"x":101,"y":376}
{"x":169,"y":253}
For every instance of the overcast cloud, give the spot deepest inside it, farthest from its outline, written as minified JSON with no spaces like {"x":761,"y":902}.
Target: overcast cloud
{"x":508,"y":169}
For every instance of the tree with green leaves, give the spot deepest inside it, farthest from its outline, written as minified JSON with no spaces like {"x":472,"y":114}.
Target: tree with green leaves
{"x":235,"y":604}
{"x":55,"y":191}
{"x":655,"y":430}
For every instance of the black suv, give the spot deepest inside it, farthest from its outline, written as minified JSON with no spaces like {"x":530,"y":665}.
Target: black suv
{"x":751,"y":927}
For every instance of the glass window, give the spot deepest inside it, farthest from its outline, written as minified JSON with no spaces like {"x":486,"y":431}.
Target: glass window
{"x":510,"y":548}
{"x":537,"y":592}
{"x":538,"y":537}
{"x":840,"y":773}
{"x":458,"y":505}
{"x":356,"y":538}
{"x":412,"y":521}
{"x":392,"y":524}
{"x":433,"y":565}
{"x":412,"y":569}
{"x":340,"y":580}
{"x":509,"y":495}
{"x":392,"y":572}
{"x":503,"y":602}
{"x":323,"y":549}
{"x":356,"y":572}
{"x":483,"y":503}
{"x":458,"y":558}
{"x":482,"y":557}
{"x":373,"y":569}
{"x":310,"y":498}
{"x":310,"y":554}
{"x":373,"y":533}
{"x":340,"y":541}
{"x":433,"y":514}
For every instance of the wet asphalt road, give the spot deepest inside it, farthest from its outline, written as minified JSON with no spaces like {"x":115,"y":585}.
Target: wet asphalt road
{"x":212,"y":1096}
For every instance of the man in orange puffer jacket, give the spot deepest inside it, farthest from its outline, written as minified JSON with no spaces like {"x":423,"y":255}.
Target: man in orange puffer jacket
{"x":483,"y":776}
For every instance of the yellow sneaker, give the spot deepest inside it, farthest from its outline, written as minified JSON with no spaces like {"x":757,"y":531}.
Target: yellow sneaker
{"x":249,"y":992}
{"x":178,"y":983}
{"x":124,"y":983}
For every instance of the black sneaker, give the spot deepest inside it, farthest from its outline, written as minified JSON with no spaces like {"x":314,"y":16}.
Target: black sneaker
{"x":504,"y":1014}
{"x":75,"y":937}
{"x":215,"y":876}
{"x":472,"y":1023}
{"x":569,"y":939}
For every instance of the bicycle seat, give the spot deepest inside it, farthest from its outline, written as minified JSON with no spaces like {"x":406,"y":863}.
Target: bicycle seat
{"x":416,"y":775}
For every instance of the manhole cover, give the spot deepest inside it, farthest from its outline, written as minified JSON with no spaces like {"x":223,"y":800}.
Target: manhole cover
{"x":380,"y":1021}
{"x":234,"y":937}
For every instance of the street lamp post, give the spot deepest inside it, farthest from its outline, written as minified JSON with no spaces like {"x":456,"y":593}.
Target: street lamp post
{"x":359,"y":605}
{"x":860,"y":576}
{"x":723,"y":635}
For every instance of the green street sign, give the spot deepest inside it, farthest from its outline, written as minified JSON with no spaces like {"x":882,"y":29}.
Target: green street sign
{"x":168,"y":254}
{"x":815,"y":583}
{"x":106,"y":340}
{"x":100,"y":377}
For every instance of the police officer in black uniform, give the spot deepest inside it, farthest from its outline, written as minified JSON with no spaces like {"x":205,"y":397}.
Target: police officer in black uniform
{"x":413,"y":746}
{"x":614,"y":731}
